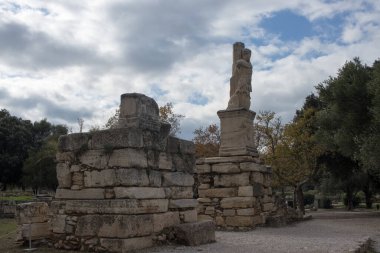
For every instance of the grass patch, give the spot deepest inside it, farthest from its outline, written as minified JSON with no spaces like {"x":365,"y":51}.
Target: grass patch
{"x":7,"y":226}
{"x":17,"y":198}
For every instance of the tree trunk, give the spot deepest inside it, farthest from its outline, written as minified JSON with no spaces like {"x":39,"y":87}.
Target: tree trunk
{"x":349,"y":194}
{"x":368,"y":198}
{"x":300,"y":199}
{"x":368,"y":194}
{"x":295,"y":198}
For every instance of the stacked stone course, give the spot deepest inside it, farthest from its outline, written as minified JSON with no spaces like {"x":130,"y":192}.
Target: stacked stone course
{"x":119,"y":188}
{"x":234,"y":191}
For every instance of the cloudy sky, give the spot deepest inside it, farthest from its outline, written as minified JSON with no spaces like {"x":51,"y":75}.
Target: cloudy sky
{"x":69,"y":59}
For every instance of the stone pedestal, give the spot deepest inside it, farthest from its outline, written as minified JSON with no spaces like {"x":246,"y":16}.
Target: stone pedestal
{"x":237,"y":132}
{"x":235,"y":192}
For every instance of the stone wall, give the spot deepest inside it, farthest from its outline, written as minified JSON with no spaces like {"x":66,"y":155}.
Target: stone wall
{"x":119,"y":188}
{"x":33,"y":220}
{"x":234,"y":191}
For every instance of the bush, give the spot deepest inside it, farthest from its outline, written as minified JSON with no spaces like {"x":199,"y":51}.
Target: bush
{"x":355,"y":201}
{"x":308,"y":199}
{"x":326,"y":203}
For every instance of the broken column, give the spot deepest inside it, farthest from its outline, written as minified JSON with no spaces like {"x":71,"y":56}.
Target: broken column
{"x":120,"y":188}
{"x":234,"y":189}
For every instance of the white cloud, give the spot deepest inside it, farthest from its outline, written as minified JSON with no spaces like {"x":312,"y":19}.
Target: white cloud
{"x":78,"y":57}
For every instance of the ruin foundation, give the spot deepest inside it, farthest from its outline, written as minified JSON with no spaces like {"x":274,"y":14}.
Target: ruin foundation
{"x":120,"y":188}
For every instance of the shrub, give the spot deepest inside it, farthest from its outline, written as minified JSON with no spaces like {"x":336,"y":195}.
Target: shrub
{"x":326,"y":203}
{"x":308,"y":199}
{"x":355,"y":201}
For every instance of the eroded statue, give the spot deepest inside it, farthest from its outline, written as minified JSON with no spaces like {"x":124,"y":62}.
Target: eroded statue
{"x":240,"y":82}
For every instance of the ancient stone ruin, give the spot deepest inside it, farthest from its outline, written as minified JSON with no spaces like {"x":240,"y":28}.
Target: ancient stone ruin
{"x":124,"y":188}
{"x":234,"y":189}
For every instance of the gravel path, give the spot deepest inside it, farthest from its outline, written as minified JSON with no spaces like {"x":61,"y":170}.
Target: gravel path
{"x":316,"y":235}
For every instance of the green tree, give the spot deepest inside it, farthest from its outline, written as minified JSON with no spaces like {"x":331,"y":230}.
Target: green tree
{"x":343,"y":121}
{"x":296,"y":155}
{"x":39,"y":168}
{"x":207,"y":141}
{"x":16,"y":137}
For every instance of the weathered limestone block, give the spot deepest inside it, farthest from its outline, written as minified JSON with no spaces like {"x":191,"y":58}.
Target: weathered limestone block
{"x":239,"y":221}
{"x":246,"y":212}
{"x":229,"y":180}
{"x":117,"y":138}
{"x":203,"y":168}
{"x":266,"y":199}
{"x":195,"y":233}
{"x":177,"y":179}
{"x":203,"y":217}
{"x":237,"y":133}
{"x":178,"y":192}
{"x":189,"y":216}
{"x":117,"y":226}
{"x":182,"y":203}
{"x":63,"y":175}
{"x":267,"y":207}
{"x":219,"y":221}
{"x":90,"y":193}
{"x":237,"y":202}
{"x":204,"y":200}
{"x":58,"y":224}
{"x":173,"y":144}
{"x":75,"y":168}
{"x":253,"y":167}
{"x":185,"y":163}
{"x":32,"y":212}
{"x":245,"y":191}
{"x":128,"y":157}
{"x":257,"y":177}
{"x":164,"y":220}
{"x":155,"y":178}
{"x":123,"y":245}
{"x":132,"y":177}
{"x":229,"y":212}
{"x":65,"y":157}
{"x":230,"y":159}
{"x":77,"y":180}
{"x":210,"y":210}
{"x":57,"y":207}
{"x":38,"y":230}
{"x":99,"y":178}
{"x":117,"y":206}
{"x":73,"y":142}
{"x":204,"y":186}
{"x":217,"y":192}
{"x":94,"y":158}
{"x":186,"y":147}
{"x":164,"y":161}
{"x":258,"y":189}
{"x":139,"y":192}
{"x":225,"y":168}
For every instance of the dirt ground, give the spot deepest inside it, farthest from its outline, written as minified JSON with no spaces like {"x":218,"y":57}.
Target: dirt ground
{"x":328,"y":231}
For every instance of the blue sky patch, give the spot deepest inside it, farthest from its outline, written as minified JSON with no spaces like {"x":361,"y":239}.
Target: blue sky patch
{"x":288,"y":25}
{"x":197,"y":99}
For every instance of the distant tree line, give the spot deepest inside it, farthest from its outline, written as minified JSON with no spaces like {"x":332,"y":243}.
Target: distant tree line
{"x":332,"y":143}
{"x":27,"y":152}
